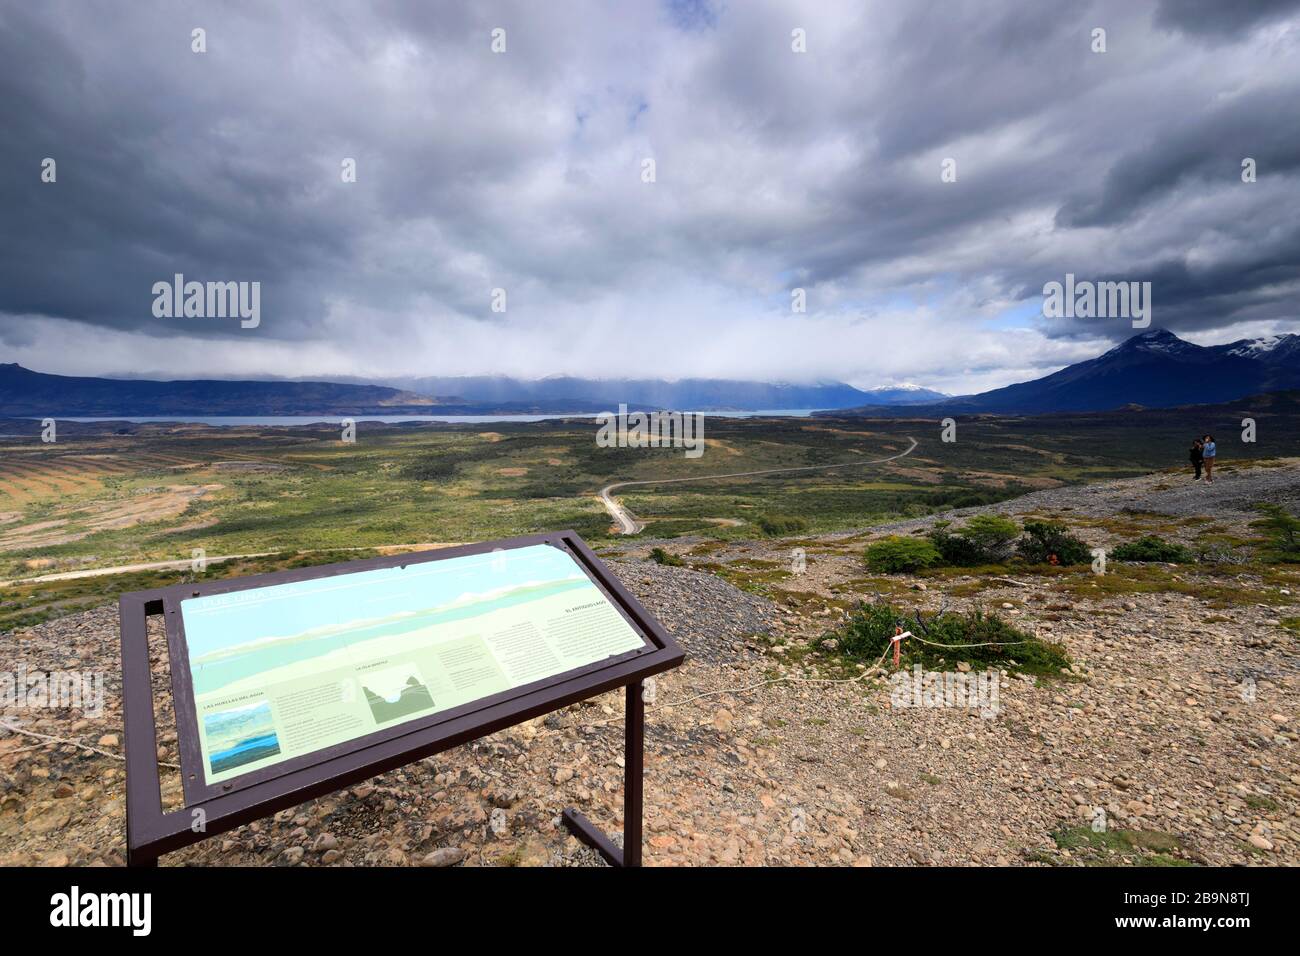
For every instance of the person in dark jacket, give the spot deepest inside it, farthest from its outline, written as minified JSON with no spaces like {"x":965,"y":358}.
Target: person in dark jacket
{"x":1197,"y":455}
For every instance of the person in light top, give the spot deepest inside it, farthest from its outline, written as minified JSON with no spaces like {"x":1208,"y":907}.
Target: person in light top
{"x":1208,"y":451}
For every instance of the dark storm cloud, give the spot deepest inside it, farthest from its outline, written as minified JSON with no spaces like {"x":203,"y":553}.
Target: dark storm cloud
{"x":1219,"y":19}
{"x":775,"y":170}
{"x":1206,"y":151}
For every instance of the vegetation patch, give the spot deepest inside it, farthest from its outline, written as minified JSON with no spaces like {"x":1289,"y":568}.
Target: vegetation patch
{"x":984,"y":544}
{"x":895,"y":553}
{"x":870,"y":629}
{"x":1151,"y":548}
{"x":1120,"y":847}
{"x":984,"y":539}
{"x":1282,"y":532}
{"x":1050,"y":542}
{"x":778,"y":525}
{"x":660,"y":556}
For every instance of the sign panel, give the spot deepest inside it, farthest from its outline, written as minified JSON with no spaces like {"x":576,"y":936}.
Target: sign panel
{"x":282,"y":671}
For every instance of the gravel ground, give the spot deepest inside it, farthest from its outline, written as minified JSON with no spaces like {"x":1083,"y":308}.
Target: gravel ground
{"x":710,"y":618}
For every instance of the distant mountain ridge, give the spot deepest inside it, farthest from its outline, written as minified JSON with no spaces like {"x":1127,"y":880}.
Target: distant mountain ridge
{"x":688,"y":394}
{"x":25,"y":393}
{"x":1155,"y":369}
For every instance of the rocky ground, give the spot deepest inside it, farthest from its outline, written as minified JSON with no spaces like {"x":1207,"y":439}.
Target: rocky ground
{"x":1178,"y":726}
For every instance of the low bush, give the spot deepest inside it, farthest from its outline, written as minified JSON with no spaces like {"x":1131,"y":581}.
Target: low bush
{"x":1151,"y":548}
{"x":984,"y":539}
{"x":869,"y":629}
{"x":992,"y":534}
{"x":894,"y":554}
{"x":660,"y":556}
{"x":954,"y":549}
{"x":1045,"y":540}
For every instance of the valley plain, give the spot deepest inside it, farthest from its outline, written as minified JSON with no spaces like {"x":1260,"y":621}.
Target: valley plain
{"x":1165,"y":707}
{"x":130,"y":496}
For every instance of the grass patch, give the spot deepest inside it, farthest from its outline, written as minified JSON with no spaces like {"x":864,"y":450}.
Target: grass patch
{"x":1259,"y":802}
{"x":777,"y":525}
{"x":1120,"y":847}
{"x":1282,"y":530}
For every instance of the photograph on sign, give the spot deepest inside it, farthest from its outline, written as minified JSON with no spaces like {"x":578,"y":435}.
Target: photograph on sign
{"x":286,"y":670}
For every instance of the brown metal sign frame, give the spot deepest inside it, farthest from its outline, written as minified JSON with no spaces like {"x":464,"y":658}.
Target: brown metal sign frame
{"x":151,"y":831}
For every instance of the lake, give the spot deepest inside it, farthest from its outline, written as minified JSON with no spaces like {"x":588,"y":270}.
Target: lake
{"x":272,"y":420}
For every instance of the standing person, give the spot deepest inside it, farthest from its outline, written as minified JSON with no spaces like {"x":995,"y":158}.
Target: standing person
{"x":1196,"y":456}
{"x":1208,"y":453}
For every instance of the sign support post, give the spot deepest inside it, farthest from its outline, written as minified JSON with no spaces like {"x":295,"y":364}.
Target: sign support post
{"x":633,"y":778}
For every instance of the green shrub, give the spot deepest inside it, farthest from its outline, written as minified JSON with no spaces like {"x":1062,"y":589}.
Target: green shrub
{"x":985,"y":539}
{"x":1283,"y":531}
{"x":869,"y":629}
{"x":867,"y":632}
{"x":660,"y":556}
{"x":994,"y":535}
{"x":1151,"y":548}
{"x":979,"y":627}
{"x":781,"y":524}
{"x":954,"y":549}
{"x":893,"y":554}
{"x":1046,"y":538}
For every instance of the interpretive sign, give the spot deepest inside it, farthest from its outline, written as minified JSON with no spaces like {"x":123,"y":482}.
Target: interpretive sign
{"x":293,"y":684}
{"x":290,"y":669}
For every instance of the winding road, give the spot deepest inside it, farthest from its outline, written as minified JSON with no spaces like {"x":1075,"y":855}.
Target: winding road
{"x":629,"y":525}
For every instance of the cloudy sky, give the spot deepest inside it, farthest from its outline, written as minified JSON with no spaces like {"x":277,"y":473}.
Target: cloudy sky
{"x":524,"y":170}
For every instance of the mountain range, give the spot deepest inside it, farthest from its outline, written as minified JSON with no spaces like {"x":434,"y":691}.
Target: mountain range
{"x":1155,"y":369}
{"x":28,"y":394}
{"x":688,"y":394}
{"x":25,"y":393}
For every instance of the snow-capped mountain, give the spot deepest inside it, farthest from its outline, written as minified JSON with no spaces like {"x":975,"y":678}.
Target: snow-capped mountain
{"x":904,"y":394}
{"x":1156,"y":369}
